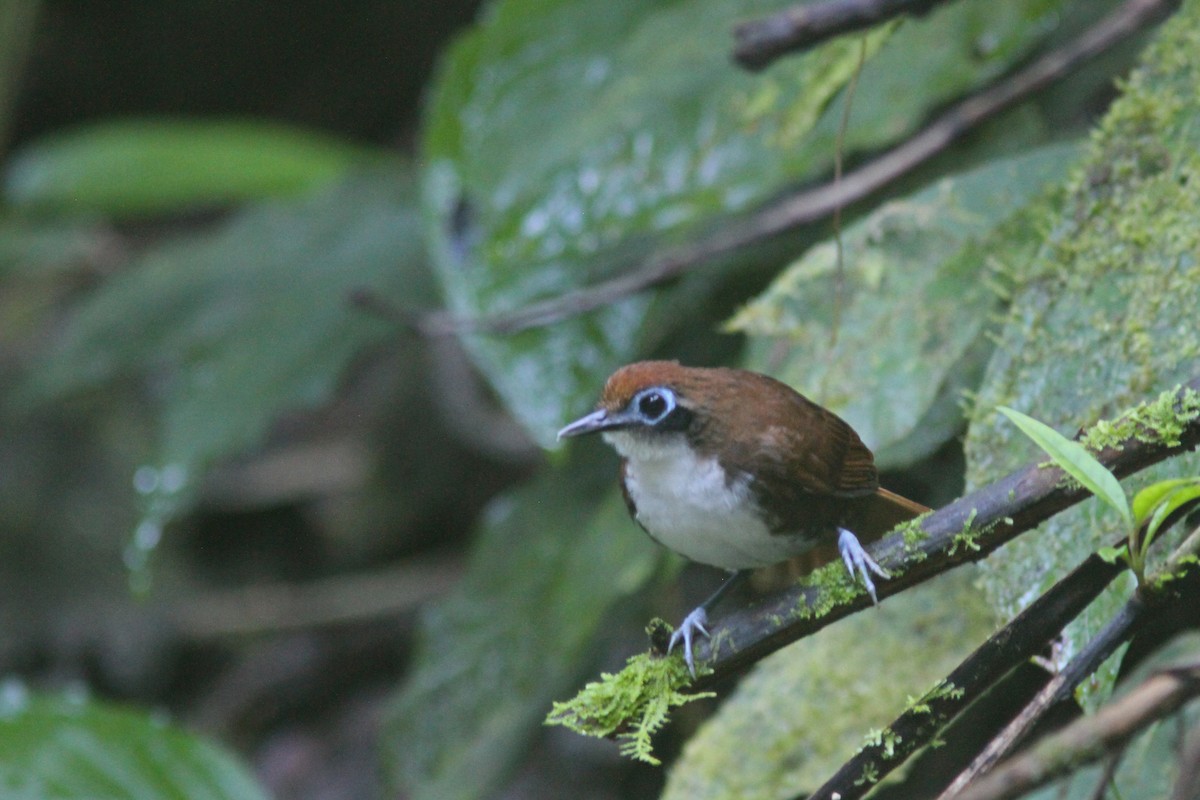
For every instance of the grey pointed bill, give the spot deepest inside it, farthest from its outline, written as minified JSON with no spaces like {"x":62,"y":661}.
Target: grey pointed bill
{"x":598,"y":420}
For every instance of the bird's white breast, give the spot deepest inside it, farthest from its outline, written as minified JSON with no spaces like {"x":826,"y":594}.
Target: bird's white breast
{"x":689,"y":504}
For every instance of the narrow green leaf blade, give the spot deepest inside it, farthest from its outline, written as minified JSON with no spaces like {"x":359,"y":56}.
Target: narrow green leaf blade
{"x":1174,"y":501}
{"x":130,"y":168}
{"x":1145,"y":501}
{"x":1075,"y":461}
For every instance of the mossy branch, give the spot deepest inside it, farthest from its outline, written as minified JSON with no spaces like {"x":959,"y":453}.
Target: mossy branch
{"x":1023,"y":638}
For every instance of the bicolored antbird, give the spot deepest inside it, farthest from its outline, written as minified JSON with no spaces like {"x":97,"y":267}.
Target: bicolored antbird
{"x":735,"y":469}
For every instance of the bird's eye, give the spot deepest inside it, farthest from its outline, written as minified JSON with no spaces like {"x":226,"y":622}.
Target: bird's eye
{"x":653,"y":406}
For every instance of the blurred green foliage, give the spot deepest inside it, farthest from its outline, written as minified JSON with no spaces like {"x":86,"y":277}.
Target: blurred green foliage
{"x":72,"y":747}
{"x":565,"y":142}
{"x":138,"y":168}
{"x":549,"y":562}
{"x":239,"y":325}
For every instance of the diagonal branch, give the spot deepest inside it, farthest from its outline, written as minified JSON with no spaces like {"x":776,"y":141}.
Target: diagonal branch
{"x":1157,"y":697}
{"x":761,"y":41}
{"x":1116,"y":632}
{"x":1023,"y":638}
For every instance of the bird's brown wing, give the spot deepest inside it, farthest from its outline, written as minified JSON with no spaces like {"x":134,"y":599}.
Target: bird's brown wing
{"x":850,"y":465}
{"x":802,"y":459}
{"x":774,"y":428}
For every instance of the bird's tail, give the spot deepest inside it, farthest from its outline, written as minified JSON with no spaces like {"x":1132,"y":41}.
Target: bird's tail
{"x":882,"y":511}
{"x":873,"y":516}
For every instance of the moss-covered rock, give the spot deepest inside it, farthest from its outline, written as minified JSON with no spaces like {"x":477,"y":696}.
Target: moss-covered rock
{"x":1105,"y":316}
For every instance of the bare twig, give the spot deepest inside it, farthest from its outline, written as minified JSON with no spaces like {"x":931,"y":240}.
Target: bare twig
{"x":761,"y":41}
{"x":1118,"y":25}
{"x":1089,"y":737}
{"x":808,"y":206}
{"x":966,"y":530}
{"x":1104,"y":782}
{"x":1187,"y":785}
{"x":281,"y":607}
{"x":839,"y":281}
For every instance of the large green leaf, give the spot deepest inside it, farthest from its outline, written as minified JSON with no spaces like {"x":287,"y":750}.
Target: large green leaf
{"x":917,"y":301}
{"x":139,"y":167}
{"x":1105,"y":317}
{"x":566,"y":138}
{"x":59,"y":748}
{"x":513,"y":636}
{"x":236,"y":326}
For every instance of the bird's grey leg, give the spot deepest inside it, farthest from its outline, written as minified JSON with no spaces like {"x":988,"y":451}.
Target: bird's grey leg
{"x":695,"y":621}
{"x":858,"y":563}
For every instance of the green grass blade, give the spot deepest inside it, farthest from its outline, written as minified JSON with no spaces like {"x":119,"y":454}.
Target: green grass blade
{"x":1148,"y":499}
{"x":1174,"y":500}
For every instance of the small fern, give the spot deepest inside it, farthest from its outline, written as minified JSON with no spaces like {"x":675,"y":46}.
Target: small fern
{"x":634,"y":704}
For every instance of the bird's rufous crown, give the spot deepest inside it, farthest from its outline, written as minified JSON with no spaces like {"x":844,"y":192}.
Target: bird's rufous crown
{"x":627,"y":381}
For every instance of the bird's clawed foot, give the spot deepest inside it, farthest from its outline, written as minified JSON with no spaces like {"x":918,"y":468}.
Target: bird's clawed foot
{"x":858,"y":563}
{"x":692,"y":623}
